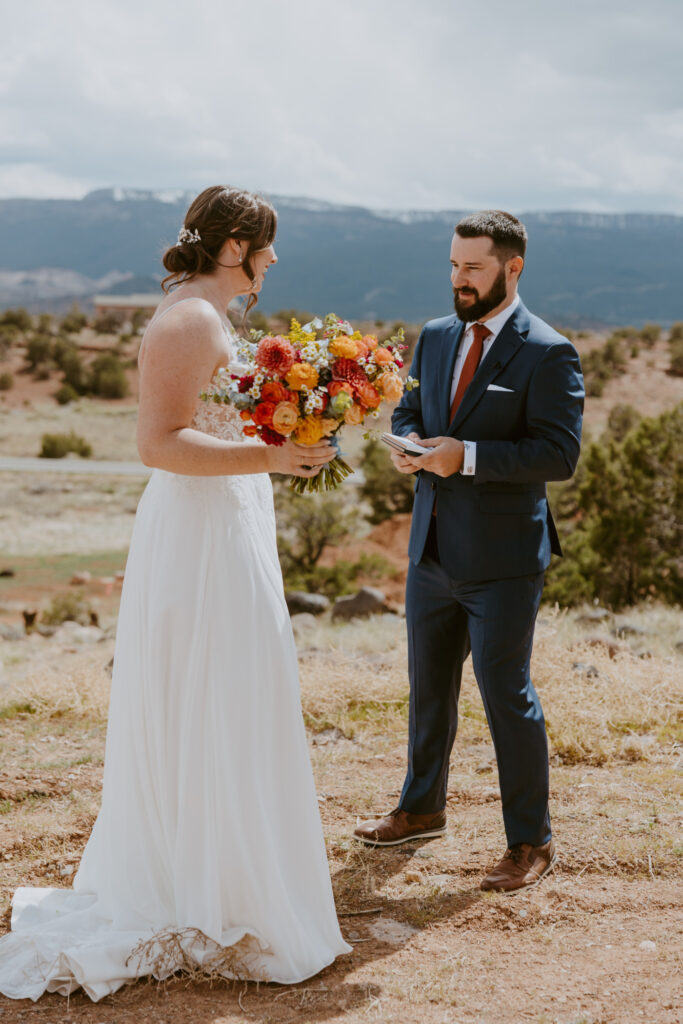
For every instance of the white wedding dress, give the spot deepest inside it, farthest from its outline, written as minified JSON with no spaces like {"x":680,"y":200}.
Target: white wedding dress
{"x":208,"y":849}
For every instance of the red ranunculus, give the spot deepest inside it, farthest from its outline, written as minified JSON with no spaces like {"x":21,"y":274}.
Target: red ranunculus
{"x":263,"y":414}
{"x":246,"y":383}
{"x":272,"y":436}
{"x":272,"y":391}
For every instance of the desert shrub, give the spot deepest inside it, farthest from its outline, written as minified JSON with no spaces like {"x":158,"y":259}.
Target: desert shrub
{"x":62,"y":348}
{"x":56,"y":446}
{"x":74,"y":371}
{"x":306,"y":526}
{"x":74,"y":321}
{"x":602,"y":364}
{"x":624,"y":539}
{"x":614,"y":351}
{"x":676,"y":352}
{"x":676,"y":331}
{"x":45,"y":323}
{"x":38,"y":351}
{"x":66,"y":394}
{"x":139,"y":319}
{"x":68,"y":606}
{"x":8,"y":336}
{"x":650,"y":334}
{"x":621,"y":419}
{"x":6,"y":381}
{"x":107,"y":323}
{"x":18,"y":318}
{"x":107,"y":377}
{"x":388,"y":491}
{"x":570,"y":579}
{"x":336,"y":580}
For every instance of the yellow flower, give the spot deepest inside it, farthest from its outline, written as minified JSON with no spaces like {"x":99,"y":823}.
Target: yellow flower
{"x":310,"y":431}
{"x":344,"y":347}
{"x":297,"y":335}
{"x":285,"y":417}
{"x":354,"y":415}
{"x":391,"y":386}
{"x":302,"y":375}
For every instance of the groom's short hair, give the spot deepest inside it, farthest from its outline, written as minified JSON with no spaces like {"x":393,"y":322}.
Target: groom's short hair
{"x":508,"y":234}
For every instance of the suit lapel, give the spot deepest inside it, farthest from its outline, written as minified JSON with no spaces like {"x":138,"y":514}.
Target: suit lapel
{"x":449,"y":351}
{"x":499,"y":355}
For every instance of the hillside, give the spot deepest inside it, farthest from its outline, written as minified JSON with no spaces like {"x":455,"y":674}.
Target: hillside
{"x":582,"y":268}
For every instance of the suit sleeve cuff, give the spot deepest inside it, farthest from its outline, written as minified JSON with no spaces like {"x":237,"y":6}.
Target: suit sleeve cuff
{"x":469,"y":466}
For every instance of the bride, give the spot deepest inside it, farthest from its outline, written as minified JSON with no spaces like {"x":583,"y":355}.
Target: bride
{"x":208,"y":850}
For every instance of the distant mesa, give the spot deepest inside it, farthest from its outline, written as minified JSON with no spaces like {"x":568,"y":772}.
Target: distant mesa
{"x":583,"y":269}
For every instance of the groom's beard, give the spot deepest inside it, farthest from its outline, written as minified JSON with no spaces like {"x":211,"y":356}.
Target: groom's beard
{"x":479,"y":306}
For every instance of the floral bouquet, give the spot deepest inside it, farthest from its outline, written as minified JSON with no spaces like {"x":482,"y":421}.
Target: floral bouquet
{"x":308,"y":383}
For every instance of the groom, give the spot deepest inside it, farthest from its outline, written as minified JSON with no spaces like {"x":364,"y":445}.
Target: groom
{"x":499,"y":407}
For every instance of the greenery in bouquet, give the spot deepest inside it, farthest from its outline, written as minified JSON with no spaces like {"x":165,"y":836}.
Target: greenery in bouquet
{"x":307,"y":384}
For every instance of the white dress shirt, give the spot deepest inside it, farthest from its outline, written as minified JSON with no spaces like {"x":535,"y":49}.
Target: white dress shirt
{"x":495,"y":324}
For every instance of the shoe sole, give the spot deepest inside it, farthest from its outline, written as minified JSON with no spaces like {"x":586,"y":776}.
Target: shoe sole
{"x":430,"y":834}
{"x":525,"y":888}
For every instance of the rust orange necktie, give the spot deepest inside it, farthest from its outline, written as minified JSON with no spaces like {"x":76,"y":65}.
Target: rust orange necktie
{"x":479,"y":333}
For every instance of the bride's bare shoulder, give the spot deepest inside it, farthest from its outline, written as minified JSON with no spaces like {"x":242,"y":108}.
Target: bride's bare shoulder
{"x":190,"y":325}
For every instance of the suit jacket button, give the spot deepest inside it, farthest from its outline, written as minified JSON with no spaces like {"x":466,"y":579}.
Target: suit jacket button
{"x":433,"y":485}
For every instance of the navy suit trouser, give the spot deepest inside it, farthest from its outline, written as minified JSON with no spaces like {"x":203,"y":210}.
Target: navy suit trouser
{"x":495,"y":619}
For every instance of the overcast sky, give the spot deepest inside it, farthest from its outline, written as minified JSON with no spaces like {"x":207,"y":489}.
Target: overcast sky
{"x":422,"y":104}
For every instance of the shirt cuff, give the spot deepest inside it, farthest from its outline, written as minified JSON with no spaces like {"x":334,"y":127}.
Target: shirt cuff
{"x":469,"y":466}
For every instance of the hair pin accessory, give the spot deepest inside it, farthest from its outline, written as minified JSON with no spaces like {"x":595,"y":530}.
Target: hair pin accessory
{"x":184,"y":235}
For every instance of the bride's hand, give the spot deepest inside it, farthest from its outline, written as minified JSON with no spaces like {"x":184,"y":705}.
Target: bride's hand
{"x":301,"y":459}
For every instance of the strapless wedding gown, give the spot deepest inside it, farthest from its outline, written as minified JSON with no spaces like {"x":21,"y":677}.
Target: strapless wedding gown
{"x":208,"y":849}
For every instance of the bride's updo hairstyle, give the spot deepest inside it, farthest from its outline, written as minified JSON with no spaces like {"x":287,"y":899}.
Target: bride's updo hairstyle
{"x":217,"y":214}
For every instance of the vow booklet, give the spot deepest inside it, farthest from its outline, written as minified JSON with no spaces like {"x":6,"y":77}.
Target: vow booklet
{"x":403,"y":445}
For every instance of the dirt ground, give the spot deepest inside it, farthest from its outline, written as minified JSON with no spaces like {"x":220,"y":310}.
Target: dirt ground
{"x":598,"y":942}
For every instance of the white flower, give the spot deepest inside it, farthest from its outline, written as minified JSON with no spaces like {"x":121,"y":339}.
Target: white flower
{"x":254,"y":391}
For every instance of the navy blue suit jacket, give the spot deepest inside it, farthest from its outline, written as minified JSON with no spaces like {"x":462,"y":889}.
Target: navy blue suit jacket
{"x":496,"y":523}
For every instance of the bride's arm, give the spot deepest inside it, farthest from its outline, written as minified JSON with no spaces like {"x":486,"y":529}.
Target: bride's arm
{"x":179,"y":359}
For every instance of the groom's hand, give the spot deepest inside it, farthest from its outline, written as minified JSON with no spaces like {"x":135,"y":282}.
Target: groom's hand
{"x":445,"y":455}
{"x":408,"y":463}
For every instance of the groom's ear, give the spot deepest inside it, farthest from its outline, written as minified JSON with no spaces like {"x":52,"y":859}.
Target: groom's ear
{"x":514,"y":267}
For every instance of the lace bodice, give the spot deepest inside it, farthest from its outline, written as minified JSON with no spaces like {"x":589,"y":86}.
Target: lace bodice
{"x":218,"y":420}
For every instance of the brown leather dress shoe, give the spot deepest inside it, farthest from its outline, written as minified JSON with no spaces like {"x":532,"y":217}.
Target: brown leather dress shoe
{"x":400,"y":827}
{"x":522,"y":867}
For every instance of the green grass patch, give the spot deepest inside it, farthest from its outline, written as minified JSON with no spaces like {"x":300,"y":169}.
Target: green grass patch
{"x":17,"y":709}
{"x":56,"y":570}
{"x":380,"y":714}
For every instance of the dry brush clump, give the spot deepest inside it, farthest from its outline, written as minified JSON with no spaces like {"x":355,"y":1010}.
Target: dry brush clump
{"x":598,"y":708}
{"x":79,"y":693}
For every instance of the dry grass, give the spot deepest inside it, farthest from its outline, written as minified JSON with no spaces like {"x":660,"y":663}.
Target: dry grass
{"x":354,"y":679}
{"x":428,"y":945}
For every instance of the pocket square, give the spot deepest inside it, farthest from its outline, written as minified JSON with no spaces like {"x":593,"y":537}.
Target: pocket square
{"x":497,"y":387}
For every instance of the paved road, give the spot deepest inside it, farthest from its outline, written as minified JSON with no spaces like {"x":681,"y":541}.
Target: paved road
{"x":15,"y":463}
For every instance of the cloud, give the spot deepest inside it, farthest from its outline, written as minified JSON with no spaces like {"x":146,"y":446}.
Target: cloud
{"x":373,"y":102}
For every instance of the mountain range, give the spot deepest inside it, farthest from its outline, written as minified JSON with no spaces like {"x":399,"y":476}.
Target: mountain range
{"x":582,"y":269}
